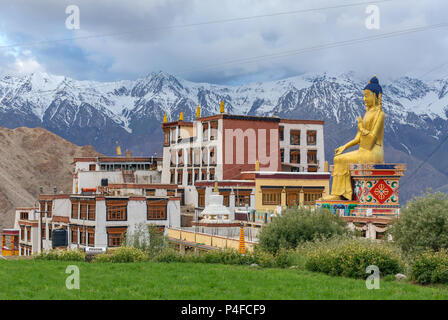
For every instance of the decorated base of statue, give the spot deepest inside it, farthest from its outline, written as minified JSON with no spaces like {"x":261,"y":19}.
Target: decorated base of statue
{"x":375,"y":192}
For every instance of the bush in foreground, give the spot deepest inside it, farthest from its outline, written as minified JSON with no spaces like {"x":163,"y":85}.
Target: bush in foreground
{"x":298,"y":225}
{"x":62,"y":255}
{"x":423,"y":224}
{"x":122,"y":254}
{"x":430,"y":267}
{"x":350,"y":257}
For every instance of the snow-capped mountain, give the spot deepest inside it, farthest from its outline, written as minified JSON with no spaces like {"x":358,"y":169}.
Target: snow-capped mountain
{"x":96,"y":113}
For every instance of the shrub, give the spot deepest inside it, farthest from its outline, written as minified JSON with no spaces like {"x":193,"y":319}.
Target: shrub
{"x":62,"y":255}
{"x":227,"y":256}
{"x":299,"y":225}
{"x":350,"y":257}
{"x":423,"y":224}
{"x":169,"y":255}
{"x":122,"y":254}
{"x":430,"y":267}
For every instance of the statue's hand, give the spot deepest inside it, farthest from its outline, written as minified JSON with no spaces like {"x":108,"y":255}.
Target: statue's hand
{"x":339,"y":150}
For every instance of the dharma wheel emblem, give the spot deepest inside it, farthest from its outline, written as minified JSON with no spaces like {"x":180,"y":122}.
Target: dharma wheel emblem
{"x":381,"y":191}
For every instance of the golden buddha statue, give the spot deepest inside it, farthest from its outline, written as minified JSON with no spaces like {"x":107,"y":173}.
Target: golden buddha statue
{"x":369,"y":138}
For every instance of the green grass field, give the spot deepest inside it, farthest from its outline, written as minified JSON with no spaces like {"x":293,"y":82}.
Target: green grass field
{"x":31,"y":279}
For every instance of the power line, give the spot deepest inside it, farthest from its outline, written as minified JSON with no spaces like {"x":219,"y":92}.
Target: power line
{"x":291,"y":52}
{"x":322,"y":47}
{"x":227,"y":20}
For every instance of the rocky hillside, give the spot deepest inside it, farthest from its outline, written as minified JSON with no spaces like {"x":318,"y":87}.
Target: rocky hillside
{"x":31,"y":158}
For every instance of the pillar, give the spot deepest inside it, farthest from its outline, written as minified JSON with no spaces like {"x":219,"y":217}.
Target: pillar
{"x":283,"y":200}
{"x":301,"y":198}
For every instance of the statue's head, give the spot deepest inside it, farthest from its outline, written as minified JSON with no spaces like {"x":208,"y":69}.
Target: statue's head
{"x":372,"y":93}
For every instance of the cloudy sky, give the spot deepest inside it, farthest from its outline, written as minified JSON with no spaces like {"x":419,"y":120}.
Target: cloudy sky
{"x":206,"y":41}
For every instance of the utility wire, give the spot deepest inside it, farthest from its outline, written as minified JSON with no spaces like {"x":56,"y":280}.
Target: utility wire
{"x":287,"y":53}
{"x":181,"y":26}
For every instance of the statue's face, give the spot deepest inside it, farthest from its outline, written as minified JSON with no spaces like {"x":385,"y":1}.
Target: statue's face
{"x":369,"y":98}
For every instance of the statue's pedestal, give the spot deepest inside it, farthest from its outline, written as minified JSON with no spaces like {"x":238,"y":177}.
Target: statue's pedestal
{"x":377,"y":188}
{"x":375,"y":192}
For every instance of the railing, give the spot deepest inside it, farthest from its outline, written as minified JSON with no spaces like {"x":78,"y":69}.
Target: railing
{"x":207,"y":239}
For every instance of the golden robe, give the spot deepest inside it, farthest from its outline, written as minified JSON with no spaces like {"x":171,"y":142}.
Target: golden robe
{"x":370,"y":151}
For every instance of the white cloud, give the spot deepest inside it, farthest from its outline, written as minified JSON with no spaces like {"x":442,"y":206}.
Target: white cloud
{"x":189,"y":51}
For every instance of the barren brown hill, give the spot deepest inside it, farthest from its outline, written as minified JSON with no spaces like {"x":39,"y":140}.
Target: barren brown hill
{"x":31,"y":158}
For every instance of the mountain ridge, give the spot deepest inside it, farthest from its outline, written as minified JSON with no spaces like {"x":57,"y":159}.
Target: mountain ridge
{"x":130,"y":111}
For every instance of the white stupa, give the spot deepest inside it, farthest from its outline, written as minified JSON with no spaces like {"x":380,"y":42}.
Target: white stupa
{"x":215,"y":211}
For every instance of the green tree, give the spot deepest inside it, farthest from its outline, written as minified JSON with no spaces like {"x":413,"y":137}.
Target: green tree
{"x":422,"y":224}
{"x":298,"y":225}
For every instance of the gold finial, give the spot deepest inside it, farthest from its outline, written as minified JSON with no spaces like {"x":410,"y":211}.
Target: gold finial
{"x":118,"y":149}
{"x":198,"y":112}
{"x":326,"y":166}
{"x":165,"y":118}
{"x":181,"y":116}
{"x":221,"y":108}
{"x":128,"y":153}
{"x":257,"y":165}
{"x":216,"y":187}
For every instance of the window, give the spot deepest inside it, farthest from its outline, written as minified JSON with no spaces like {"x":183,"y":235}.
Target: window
{"x":173,"y":135}
{"x":213,"y":156}
{"x":295,"y":137}
{"x":49,"y":208}
{"x":172,"y":177}
{"x":190,"y":157}
{"x":190,"y":177}
{"x":294,"y":156}
{"x":82,"y":235}
{"x":179,"y":177}
{"x":116,"y":210}
{"x":75,"y":206}
{"x":150,"y":192}
{"x":170,"y":193}
{"x":204,"y":174}
{"x":310,"y":196}
{"x":43,"y":234}
{"x":271,"y":196}
{"x":311,"y":137}
{"x":92,"y":210}
{"x":204,"y":131}
{"x":201,"y":198}
{"x":214,"y":130}
{"x":242,"y":197}
{"x":74,"y":234}
{"x":92,"y":167}
{"x":226,"y":197}
{"x":173,"y":156}
{"x":166,"y":140}
{"x":204,"y":156}
{"x":115,"y":236}
{"x":23,"y":215}
{"x":312,"y":157}
{"x":196,"y":175}
{"x":212,"y":174}
{"x":156,"y":210}
{"x":180,"y":155}
{"x":22,"y":233}
{"x":281,"y":133}
{"x":28,"y":234}
{"x":282,"y":155}
{"x":91,"y":236}
{"x":83,"y":210}
{"x":197,"y":156}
